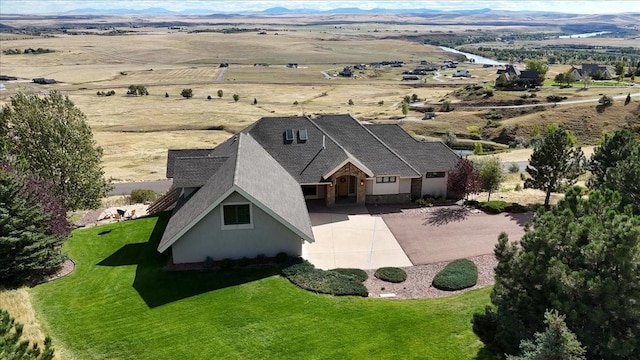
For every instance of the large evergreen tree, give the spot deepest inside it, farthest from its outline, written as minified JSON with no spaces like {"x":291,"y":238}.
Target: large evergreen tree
{"x":582,"y":259}
{"x":28,"y":251}
{"x":14,"y":347}
{"x":615,"y":165}
{"x":49,"y":137}
{"x":555,"y":163}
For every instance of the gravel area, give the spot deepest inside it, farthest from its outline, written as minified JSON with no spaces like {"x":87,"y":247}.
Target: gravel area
{"x":419,"y":278}
{"x":67,"y":268}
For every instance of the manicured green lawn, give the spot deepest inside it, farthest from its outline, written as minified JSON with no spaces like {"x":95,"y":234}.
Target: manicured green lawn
{"x":119,"y":304}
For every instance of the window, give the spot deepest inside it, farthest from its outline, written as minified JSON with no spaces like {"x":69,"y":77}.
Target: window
{"x":288,"y":135}
{"x":302,"y":135}
{"x":435,"y":174}
{"x":236,"y":216}
{"x":386,"y":179}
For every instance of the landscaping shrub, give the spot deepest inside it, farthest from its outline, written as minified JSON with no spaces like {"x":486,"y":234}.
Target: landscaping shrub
{"x":357,"y":274}
{"x":457,"y":275}
{"x":514,"y":168}
{"x":281,"y":257}
{"x":494,"y":206}
{"x":422,"y":202}
{"x":391,"y":274}
{"x":143,"y":195}
{"x":303,"y":274}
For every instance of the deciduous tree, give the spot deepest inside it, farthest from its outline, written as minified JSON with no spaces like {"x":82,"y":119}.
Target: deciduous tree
{"x":491,"y":175}
{"x":555,"y":163}
{"x":538,"y":65}
{"x":236,"y":97}
{"x":49,"y":138}
{"x":186,"y":93}
{"x":464,"y":179}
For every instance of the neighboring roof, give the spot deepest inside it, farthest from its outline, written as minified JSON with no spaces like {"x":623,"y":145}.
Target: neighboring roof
{"x":594,"y":68}
{"x":364,"y":146}
{"x":306,"y":161}
{"x":195,"y":171}
{"x":176,"y":153}
{"x":422,"y":155}
{"x":529,"y":74}
{"x":253,"y":173}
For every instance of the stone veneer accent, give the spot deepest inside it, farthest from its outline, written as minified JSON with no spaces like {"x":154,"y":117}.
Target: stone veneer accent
{"x":351,"y":170}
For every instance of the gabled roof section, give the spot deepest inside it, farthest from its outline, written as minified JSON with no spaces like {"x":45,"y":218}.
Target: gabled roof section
{"x":252,"y":172}
{"x":195,"y":171}
{"x":365,"y":146}
{"x":424,"y":156}
{"x":306,"y":161}
{"x":173,"y":154}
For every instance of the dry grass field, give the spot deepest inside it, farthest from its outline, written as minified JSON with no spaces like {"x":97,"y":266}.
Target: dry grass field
{"x":135,"y":132}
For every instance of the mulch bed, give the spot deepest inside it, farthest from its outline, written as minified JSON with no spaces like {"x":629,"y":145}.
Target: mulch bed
{"x":67,"y":268}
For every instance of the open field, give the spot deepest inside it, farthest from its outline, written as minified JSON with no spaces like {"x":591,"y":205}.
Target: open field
{"x":125,"y":307}
{"x":136,"y":131}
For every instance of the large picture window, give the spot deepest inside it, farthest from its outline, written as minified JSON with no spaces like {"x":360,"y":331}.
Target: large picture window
{"x":236,"y":216}
{"x":386,"y":179}
{"x":435,"y":174}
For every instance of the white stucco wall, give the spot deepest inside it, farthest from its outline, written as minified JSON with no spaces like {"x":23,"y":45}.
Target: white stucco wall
{"x":268,"y":237}
{"x":405,"y":185}
{"x":385,"y":188}
{"x":434,"y":186}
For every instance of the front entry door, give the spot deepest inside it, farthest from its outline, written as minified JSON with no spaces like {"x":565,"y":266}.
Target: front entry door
{"x":343,"y":186}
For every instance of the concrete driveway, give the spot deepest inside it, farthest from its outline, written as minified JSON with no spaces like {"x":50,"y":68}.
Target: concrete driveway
{"x":431,"y":235}
{"x":348,"y":236}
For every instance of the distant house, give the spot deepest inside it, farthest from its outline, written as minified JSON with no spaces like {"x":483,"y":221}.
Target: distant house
{"x":248,"y":196}
{"x":44,"y":81}
{"x":223,"y":65}
{"x":595,"y":71}
{"x":510,"y":78}
{"x":292,"y":65}
{"x":346,"y":72}
{"x":261,"y":64}
{"x":410,"y":77}
{"x":7,"y":78}
{"x":461,"y":73}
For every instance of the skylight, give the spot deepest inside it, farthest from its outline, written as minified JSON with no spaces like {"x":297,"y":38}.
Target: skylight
{"x":302,"y":135}
{"x":288,"y":135}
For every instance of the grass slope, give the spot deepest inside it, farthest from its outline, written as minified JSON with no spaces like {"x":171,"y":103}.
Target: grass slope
{"x":118,"y":304}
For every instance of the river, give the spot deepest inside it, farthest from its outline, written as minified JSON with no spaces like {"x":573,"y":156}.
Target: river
{"x":476,"y":58}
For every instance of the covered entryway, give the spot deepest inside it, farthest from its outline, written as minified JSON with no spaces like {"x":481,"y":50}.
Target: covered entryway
{"x":346,"y":184}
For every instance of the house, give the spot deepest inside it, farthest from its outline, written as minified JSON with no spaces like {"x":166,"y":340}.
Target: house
{"x":248,"y":195}
{"x":7,"y":78}
{"x":44,"y":81}
{"x":346,"y":72}
{"x":461,"y":73}
{"x":410,"y":77}
{"x":510,"y":78}
{"x":595,"y":71}
{"x":292,"y":65}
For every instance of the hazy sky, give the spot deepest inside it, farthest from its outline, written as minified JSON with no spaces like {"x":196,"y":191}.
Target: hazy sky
{"x":581,"y":7}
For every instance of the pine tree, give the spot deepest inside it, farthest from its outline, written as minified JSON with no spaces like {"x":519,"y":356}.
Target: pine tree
{"x":13,"y":347}
{"x":555,"y":163}
{"x":557,"y":342}
{"x":28,"y":254}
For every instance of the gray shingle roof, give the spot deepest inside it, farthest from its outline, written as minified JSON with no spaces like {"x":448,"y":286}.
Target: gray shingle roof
{"x":365,"y":146}
{"x":306,"y":161}
{"x":424,"y":156}
{"x":195,"y":171}
{"x":173,"y":154}
{"x":250,"y":170}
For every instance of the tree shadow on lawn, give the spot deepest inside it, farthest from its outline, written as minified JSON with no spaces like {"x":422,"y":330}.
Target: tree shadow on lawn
{"x":157,"y":287}
{"x":484,"y":354}
{"x":445,"y":215}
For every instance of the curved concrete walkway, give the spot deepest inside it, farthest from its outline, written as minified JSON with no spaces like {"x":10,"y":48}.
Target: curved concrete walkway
{"x":348,"y":236}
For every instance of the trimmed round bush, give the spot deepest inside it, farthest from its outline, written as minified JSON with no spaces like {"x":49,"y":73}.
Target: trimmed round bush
{"x":391,"y":274}
{"x":357,"y":274}
{"x":303,"y":274}
{"x":457,"y":275}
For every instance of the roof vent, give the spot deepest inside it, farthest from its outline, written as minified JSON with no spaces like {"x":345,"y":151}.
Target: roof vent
{"x":288,"y":135}
{"x":302,"y":135}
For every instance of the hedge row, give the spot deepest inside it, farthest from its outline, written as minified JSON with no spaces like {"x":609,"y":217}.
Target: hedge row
{"x":497,"y":206}
{"x":457,"y":275}
{"x":340,"y":282}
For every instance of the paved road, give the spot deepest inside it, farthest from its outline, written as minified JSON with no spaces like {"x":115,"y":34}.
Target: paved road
{"x":570,"y":102}
{"x":125,"y":188}
{"x":221,"y":73}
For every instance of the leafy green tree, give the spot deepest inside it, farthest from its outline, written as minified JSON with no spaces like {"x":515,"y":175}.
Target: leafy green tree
{"x":350,"y":102}
{"x":538,"y":65}
{"x":491,"y":175}
{"x":14,"y":348}
{"x":220,"y":93}
{"x":579,"y":258}
{"x":568,"y":78}
{"x":555,"y":163}
{"x":236,"y":97}
{"x":186,"y":93}
{"x":28,"y":252}
{"x":477,"y":148}
{"x":405,"y":108}
{"x":137,"y":90}
{"x":449,"y":138}
{"x":620,"y":67}
{"x":557,"y":342}
{"x":49,"y":138}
